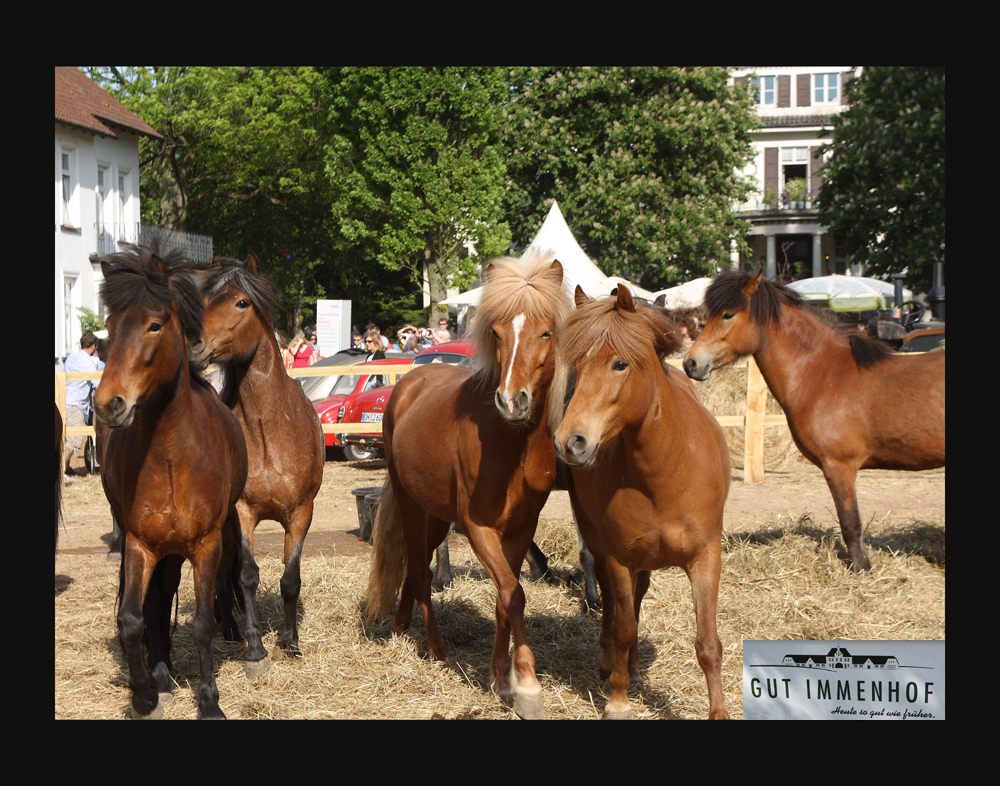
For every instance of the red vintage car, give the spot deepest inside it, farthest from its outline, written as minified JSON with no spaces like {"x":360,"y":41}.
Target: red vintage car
{"x":369,"y":406}
{"x":349,"y":386}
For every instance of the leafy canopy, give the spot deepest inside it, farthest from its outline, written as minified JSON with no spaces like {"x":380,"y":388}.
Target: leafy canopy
{"x":883,"y":193}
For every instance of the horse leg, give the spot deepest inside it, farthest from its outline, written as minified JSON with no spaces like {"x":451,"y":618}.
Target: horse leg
{"x":229,"y":570}
{"x":417,"y":584}
{"x":502,"y":558}
{"x":136,"y":572}
{"x":156,"y":610}
{"x":841,"y":479}
{"x":442,"y":566}
{"x":206,"y":566}
{"x":291,"y":581}
{"x":117,"y":543}
{"x":256,"y":660}
{"x":639,"y":591}
{"x":538,"y":563}
{"x":624,"y":632}
{"x":703,"y":571}
{"x":591,"y":599}
{"x":590,"y":539}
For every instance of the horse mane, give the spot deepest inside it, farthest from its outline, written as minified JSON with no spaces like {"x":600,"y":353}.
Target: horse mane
{"x":725,"y":293}
{"x":600,"y":323}
{"x":515,"y":286}
{"x":259,"y":287}
{"x":145,"y":276}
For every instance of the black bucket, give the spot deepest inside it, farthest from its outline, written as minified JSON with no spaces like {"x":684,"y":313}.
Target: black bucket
{"x":367,"y":498}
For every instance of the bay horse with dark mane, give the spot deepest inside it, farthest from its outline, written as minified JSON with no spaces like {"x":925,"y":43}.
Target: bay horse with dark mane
{"x":495,"y":476}
{"x":650,"y":475}
{"x":173,"y":467}
{"x":283,"y":436}
{"x":851,"y":403}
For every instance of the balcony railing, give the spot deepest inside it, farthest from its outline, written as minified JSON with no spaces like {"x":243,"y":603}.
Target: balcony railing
{"x":196,"y":248}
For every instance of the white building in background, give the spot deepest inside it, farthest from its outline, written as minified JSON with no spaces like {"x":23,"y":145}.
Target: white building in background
{"x":96,"y":189}
{"x":796,"y":105}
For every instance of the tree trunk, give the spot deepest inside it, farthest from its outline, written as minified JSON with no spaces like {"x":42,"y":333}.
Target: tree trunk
{"x":438,"y":291}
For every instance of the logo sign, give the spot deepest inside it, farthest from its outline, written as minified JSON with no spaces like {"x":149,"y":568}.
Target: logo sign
{"x":843,"y":680}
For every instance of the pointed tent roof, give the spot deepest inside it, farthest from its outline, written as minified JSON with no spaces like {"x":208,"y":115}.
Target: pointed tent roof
{"x":555,"y":235}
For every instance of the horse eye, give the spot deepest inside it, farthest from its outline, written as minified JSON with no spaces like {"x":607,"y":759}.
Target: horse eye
{"x":728,"y":316}
{"x":620,"y":365}
{"x":547,"y":334}
{"x":155,"y":327}
{"x":243,"y":304}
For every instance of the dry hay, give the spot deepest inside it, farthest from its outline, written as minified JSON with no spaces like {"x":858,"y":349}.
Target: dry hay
{"x":782,"y":579}
{"x":725,"y":393}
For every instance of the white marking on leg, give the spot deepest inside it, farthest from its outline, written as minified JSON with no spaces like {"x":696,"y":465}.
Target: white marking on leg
{"x":518,"y":323}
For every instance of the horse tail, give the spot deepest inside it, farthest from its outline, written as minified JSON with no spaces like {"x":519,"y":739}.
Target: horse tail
{"x":389,"y":560}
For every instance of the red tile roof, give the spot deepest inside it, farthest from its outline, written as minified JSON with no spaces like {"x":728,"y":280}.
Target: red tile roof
{"x":81,"y":103}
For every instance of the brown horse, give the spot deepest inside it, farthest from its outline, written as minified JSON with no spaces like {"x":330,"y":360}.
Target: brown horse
{"x":283,"y":436}
{"x":650,"y":475}
{"x":494,"y":477}
{"x":174,"y":465}
{"x":851,"y":403}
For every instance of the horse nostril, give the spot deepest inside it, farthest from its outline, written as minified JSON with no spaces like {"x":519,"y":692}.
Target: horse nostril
{"x":689,"y":365}
{"x":577,"y":445}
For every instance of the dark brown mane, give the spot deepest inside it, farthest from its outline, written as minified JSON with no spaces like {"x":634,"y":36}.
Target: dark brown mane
{"x":725,"y":294}
{"x":260,"y":288}
{"x":143,"y":276}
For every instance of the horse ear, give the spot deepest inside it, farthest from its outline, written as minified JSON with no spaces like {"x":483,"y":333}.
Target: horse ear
{"x":661,"y":301}
{"x":253,"y":264}
{"x":489,"y":270}
{"x":751,"y":286}
{"x":216,"y":261}
{"x":106,"y":267}
{"x":157,"y":265}
{"x":625,"y":302}
{"x":580,"y":296}
{"x":556,"y":271}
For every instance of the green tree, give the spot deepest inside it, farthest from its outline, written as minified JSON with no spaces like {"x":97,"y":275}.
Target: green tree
{"x":417,"y":160}
{"x":883,"y":194}
{"x":644,"y":163}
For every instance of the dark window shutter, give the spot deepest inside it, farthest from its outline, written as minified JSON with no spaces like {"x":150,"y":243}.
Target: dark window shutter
{"x":784,"y":91}
{"x":802,"y":91}
{"x":815,"y":165}
{"x":845,"y":77}
{"x":770,"y":169}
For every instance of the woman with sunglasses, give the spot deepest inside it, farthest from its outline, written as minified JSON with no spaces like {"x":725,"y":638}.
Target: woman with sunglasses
{"x":373,"y":346}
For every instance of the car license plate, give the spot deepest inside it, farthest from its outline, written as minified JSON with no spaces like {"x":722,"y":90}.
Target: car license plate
{"x":371,"y":417}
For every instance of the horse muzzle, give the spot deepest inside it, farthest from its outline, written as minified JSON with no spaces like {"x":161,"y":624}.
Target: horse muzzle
{"x":515,"y":410}
{"x":117,"y":413}
{"x":577,"y":450}
{"x":697,"y":369}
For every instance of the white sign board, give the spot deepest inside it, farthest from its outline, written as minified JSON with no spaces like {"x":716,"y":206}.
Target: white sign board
{"x":843,"y":680}
{"x":333,"y":326}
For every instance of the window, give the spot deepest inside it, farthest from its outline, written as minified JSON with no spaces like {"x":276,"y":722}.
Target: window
{"x":123,"y":194}
{"x":70,"y":208}
{"x":826,"y":90}
{"x":102,"y":198}
{"x":765,"y":90}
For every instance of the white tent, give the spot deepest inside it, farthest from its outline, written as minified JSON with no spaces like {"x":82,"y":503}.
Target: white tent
{"x":688,"y":295}
{"x":556,"y":236}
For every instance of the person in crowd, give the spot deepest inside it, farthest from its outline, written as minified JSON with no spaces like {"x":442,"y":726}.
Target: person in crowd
{"x":373,"y":345}
{"x":78,"y":394}
{"x":443,"y":325}
{"x":300,"y":350}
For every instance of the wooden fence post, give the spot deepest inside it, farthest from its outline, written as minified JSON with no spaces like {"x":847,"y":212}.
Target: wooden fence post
{"x":753,"y":434}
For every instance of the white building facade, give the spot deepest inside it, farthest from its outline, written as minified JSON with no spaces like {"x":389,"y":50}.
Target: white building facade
{"x":796,"y":105}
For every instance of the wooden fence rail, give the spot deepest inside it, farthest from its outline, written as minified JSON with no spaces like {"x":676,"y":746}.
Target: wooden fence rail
{"x":753,"y":423}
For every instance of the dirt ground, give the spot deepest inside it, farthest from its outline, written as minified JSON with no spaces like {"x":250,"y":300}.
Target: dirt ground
{"x":86,"y":583}
{"x":797,"y":489}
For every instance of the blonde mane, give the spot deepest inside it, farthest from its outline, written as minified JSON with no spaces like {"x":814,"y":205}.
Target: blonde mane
{"x":515,"y":286}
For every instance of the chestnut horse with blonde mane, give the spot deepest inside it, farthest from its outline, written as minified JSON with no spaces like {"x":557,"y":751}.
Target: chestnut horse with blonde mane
{"x":173,"y":466}
{"x":851,"y":403}
{"x":650,"y":475}
{"x":495,"y":475}
{"x":283,"y":435}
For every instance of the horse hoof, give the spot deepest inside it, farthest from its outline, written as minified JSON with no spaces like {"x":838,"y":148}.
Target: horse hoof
{"x":212,"y":714}
{"x":157,"y":713}
{"x":610,"y":714}
{"x":166,"y":698}
{"x":529,"y":706}
{"x":256,"y":668}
